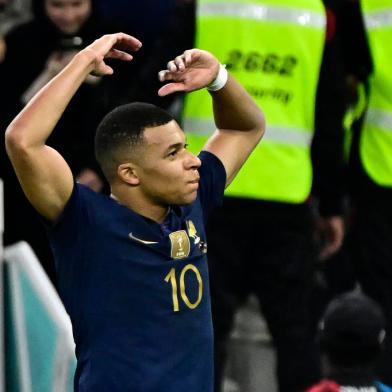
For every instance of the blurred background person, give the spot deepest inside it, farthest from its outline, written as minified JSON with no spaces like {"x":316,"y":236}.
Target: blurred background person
{"x":262,"y":241}
{"x":12,"y":13}
{"x":352,"y":333}
{"x":348,"y":61}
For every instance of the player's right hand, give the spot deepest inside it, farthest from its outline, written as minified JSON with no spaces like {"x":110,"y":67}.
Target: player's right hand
{"x":114,"y":46}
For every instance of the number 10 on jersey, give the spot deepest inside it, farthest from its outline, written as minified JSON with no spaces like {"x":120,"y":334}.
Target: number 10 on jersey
{"x":172,"y":279}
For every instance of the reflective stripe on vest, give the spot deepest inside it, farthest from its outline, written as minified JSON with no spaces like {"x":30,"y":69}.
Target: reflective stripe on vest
{"x":263,"y":12}
{"x":300,"y":137}
{"x":378,"y":19}
{"x":274,"y":48}
{"x":376,"y":135}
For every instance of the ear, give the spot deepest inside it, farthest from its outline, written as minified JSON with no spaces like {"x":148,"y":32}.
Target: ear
{"x":127,"y":173}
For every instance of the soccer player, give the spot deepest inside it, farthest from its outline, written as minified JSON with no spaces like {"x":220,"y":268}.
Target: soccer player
{"x":132,"y":269}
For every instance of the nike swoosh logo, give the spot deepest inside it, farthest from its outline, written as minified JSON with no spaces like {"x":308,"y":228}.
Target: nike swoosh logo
{"x":132,"y":237}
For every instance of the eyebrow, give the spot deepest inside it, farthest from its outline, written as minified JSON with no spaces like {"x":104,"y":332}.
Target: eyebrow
{"x":175,"y":146}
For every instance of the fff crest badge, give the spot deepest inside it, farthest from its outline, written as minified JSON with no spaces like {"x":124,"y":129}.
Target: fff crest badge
{"x":192,"y":232}
{"x":196,"y":239}
{"x":180,"y":245}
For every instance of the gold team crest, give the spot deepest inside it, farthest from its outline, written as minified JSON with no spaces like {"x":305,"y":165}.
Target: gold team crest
{"x":180,"y":245}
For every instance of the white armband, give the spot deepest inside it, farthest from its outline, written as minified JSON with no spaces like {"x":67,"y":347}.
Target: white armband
{"x":220,"y":80}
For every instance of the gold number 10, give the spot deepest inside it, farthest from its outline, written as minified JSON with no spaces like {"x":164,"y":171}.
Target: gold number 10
{"x":171,"y":276}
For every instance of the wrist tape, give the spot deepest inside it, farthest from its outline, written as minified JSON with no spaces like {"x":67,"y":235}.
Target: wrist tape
{"x":220,"y":80}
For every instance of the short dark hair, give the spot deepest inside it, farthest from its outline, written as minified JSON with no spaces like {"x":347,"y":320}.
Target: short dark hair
{"x":352,"y":330}
{"x":121,"y":130}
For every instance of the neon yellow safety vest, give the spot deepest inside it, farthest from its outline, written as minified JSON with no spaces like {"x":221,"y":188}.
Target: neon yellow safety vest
{"x":274,"y":48}
{"x":376,"y":136}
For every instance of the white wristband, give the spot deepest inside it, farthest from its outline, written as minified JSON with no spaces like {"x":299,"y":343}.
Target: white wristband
{"x":220,"y":79}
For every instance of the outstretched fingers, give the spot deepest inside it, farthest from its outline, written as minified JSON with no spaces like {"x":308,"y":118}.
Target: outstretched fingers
{"x":165,"y":75}
{"x":171,"y":88}
{"x":119,"y":55}
{"x":117,"y":46}
{"x":126,"y":42}
{"x":180,"y":62}
{"x":187,"y":55}
{"x":175,"y":66}
{"x":178,"y":71}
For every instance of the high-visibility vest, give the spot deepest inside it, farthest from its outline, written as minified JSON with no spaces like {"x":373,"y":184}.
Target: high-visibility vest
{"x":274,"y":49}
{"x":375,"y":146}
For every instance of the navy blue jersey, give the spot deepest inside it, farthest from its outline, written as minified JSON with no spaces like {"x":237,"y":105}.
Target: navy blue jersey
{"x":137,"y":291}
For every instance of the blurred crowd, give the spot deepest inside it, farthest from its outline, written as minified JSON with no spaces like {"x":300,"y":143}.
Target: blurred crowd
{"x":308,"y":219}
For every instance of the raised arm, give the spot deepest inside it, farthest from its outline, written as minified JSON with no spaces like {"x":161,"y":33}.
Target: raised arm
{"x":44,"y":175}
{"x":239,"y":121}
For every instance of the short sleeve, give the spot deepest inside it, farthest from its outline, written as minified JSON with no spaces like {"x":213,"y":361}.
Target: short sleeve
{"x":74,"y":212}
{"x":212,"y":182}
{"x":67,"y":239}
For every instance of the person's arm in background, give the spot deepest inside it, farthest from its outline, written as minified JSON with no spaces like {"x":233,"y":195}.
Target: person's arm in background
{"x":356,"y":52}
{"x":44,"y":175}
{"x":343,"y":57}
{"x":239,"y":121}
{"x":328,"y":145}
{"x":3,"y":49}
{"x":346,"y":63}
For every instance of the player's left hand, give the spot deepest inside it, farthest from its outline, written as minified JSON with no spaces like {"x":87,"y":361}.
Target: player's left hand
{"x":191,"y":71}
